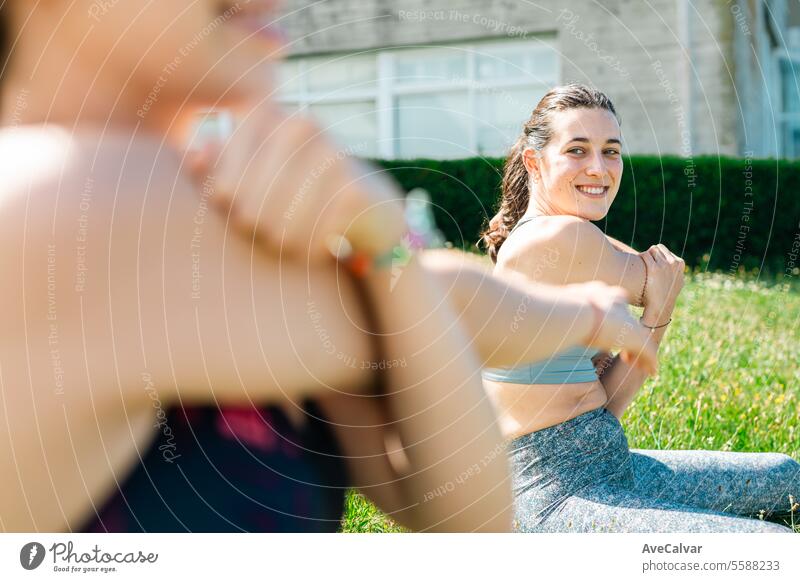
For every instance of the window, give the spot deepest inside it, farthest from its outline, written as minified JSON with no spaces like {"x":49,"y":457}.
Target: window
{"x":790,"y":110}
{"x":451,"y":101}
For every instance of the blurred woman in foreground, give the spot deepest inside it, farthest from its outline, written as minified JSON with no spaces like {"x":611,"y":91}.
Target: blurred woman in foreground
{"x":185,"y":354}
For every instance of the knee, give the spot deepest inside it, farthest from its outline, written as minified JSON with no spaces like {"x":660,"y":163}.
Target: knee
{"x":786,"y":465}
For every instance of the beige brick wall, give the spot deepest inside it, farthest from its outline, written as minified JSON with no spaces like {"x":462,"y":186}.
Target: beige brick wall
{"x":629,"y":35}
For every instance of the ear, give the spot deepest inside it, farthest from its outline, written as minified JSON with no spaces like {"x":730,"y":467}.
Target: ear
{"x":531,"y":160}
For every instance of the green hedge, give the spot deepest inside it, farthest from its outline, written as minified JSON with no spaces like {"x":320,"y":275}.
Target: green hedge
{"x":718,"y":213}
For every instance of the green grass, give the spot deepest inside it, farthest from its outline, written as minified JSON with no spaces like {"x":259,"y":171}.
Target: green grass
{"x":729,"y":379}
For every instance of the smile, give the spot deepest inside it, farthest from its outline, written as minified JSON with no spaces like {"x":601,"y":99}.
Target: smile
{"x":593,"y":191}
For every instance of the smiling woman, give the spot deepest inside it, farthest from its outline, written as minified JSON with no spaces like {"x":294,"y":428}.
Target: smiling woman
{"x":572,"y":468}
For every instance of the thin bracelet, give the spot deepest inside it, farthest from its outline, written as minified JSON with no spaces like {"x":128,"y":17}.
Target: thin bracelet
{"x":421,"y":233}
{"x":653,"y":327}
{"x":644,"y":287}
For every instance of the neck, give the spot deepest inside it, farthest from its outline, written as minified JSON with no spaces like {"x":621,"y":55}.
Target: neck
{"x":537,"y":207}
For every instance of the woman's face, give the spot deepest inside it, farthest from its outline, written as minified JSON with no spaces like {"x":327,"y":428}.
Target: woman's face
{"x":200,"y":50}
{"x":579,"y":170}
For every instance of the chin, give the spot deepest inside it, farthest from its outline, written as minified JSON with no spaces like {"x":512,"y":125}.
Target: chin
{"x":593,"y":214}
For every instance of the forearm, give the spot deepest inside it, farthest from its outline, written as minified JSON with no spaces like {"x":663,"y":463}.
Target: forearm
{"x":458,"y":476}
{"x":509,"y":320}
{"x":622,"y":381}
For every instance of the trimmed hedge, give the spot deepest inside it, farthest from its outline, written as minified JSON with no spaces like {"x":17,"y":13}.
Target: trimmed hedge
{"x":718,"y":213}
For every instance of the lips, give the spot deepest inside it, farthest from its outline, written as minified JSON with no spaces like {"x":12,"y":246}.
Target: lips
{"x":592,"y":190}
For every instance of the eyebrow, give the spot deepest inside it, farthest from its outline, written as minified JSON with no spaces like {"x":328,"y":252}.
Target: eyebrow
{"x":586,"y":140}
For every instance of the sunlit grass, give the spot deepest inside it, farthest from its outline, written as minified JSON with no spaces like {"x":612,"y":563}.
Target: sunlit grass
{"x":729,"y":379}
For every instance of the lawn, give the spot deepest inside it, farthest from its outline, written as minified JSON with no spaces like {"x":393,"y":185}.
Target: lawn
{"x":728,"y":380}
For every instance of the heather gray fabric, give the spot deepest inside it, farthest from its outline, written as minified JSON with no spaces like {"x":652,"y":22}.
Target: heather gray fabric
{"x":580,"y":476}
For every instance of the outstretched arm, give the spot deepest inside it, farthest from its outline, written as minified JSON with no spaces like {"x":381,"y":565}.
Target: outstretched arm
{"x":438,"y":409}
{"x":512,"y":319}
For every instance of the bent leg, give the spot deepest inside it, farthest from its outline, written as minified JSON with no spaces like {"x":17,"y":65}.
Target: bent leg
{"x":740,"y":483}
{"x":605,"y":508}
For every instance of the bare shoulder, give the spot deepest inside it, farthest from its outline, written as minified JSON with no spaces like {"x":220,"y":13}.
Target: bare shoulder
{"x":29,"y":158}
{"x":71,"y":223}
{"x":553,"y":250}
{"x":52,"y":168}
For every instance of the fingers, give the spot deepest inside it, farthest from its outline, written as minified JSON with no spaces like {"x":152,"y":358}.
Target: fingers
{"x":662,"y":253}
{"x":619,"y":330}
{"x":659,"y":254}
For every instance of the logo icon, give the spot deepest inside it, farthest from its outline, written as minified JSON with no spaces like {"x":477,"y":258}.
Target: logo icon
{"x":31,"y":555}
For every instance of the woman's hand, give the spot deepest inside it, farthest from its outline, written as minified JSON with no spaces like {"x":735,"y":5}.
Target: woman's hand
{"x":665,"y":274}
{"x":286,"y":183}
{"x":615,"y":328}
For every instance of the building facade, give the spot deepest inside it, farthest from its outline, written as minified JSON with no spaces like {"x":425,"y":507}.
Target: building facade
{"x":458,"y":78}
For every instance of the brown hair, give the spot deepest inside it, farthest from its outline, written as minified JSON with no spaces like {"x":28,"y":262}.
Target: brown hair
{"x":536,"y":133}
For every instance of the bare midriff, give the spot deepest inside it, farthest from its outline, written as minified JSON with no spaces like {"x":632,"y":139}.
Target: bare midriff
{"x":526,"y":408}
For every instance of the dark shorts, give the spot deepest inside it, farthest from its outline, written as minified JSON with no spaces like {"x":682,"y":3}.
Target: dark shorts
{"x":233,"y":469}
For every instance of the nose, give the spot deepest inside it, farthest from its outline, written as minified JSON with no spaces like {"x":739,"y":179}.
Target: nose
{"x":597,"y":166}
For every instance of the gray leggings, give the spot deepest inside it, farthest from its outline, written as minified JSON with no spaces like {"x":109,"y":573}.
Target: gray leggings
{"x":580,"y":476}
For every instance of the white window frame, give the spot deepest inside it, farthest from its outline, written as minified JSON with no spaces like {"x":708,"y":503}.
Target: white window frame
{"x":785,"y":150}
{"x":386,"y":91}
